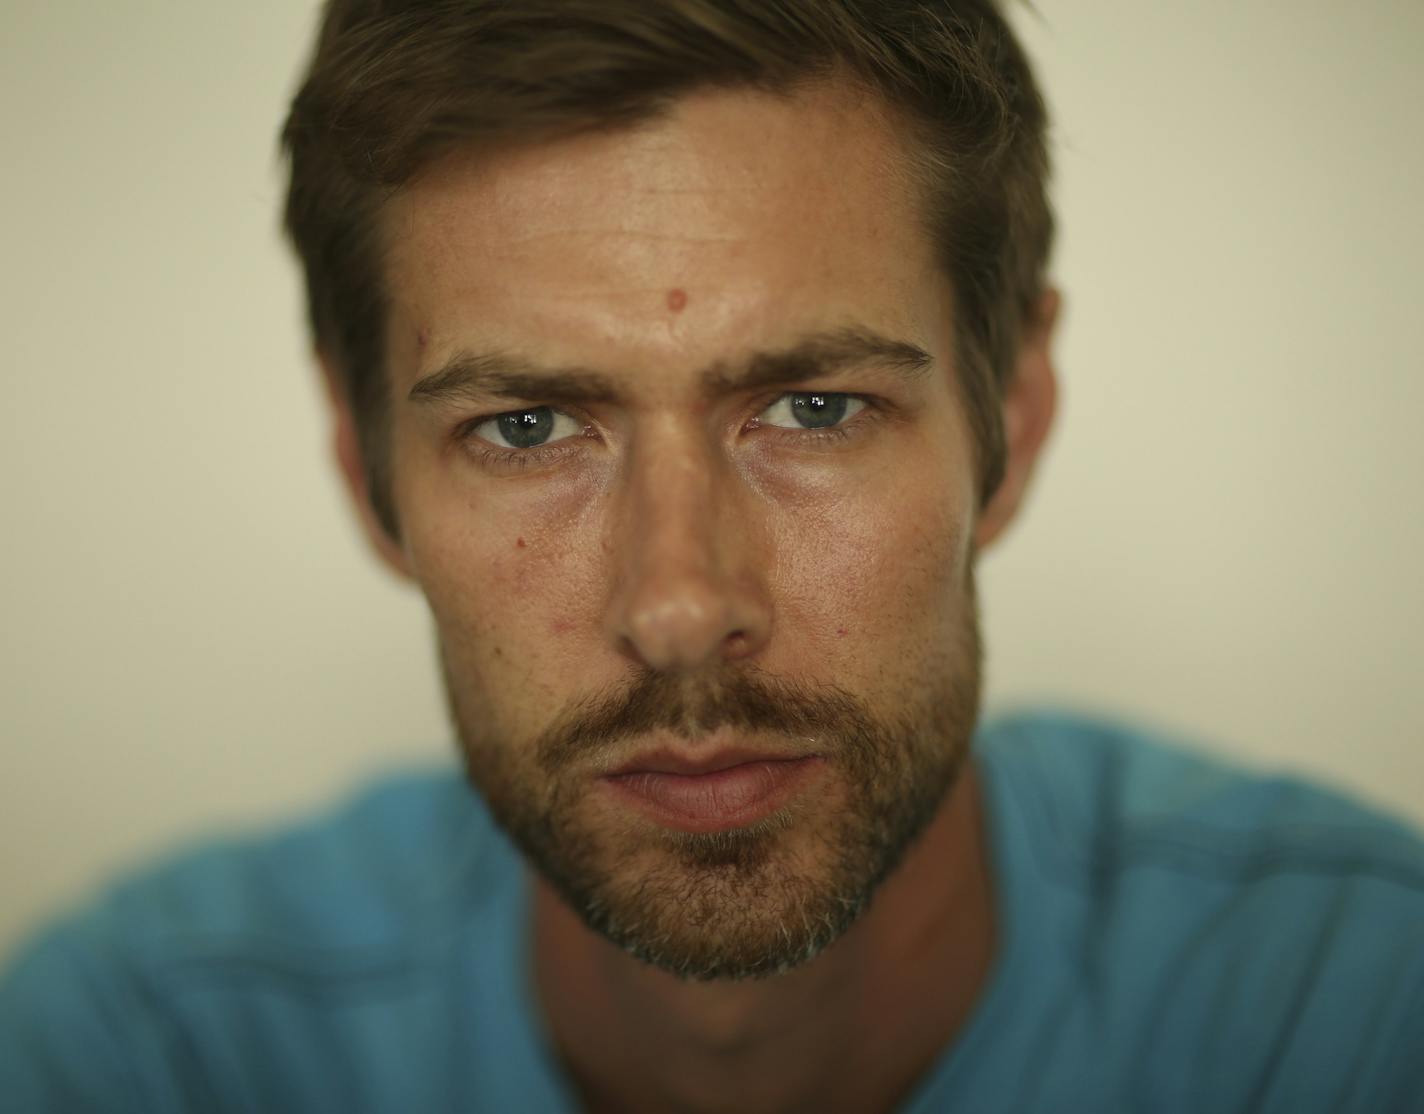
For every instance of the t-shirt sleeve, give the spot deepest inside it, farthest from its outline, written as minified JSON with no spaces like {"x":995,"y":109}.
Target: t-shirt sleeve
{"x":1398,"y":1085}
{"x":79,"y":1033}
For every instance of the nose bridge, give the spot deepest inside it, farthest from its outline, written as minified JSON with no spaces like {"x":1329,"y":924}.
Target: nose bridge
{"x":675,"y":502}
{"x":687,"y":591}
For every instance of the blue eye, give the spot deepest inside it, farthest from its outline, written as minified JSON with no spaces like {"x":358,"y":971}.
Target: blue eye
{"x":811,"y":410}
{"x":526,"y":429}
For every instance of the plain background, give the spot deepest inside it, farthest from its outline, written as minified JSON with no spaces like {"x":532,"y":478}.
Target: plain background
{"x":1225,"y":541}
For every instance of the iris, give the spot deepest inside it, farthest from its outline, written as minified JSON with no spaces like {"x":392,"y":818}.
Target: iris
{"x":527,"y":429}
{"x":818,"y":411}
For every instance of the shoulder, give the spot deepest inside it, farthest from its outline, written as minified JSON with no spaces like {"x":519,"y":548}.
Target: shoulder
{"x":1114,"y":796}
{"x":297,"y":929}
{"x":361,"y":874}
{"x":1252,"y":937}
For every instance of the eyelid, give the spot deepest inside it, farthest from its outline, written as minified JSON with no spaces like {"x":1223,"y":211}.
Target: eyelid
{"x":510,"y":458}
{"x":497,"y":458}
{"x":862,"y":404}
{"x":467,"y":428}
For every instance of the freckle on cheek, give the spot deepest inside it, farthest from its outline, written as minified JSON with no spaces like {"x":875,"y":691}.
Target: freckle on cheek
{"x":677,"y":300}
{"x":519,"y":542}
{"x":841,"y":633}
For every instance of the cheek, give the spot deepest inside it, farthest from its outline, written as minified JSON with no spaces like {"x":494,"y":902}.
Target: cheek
{"x":504,"y":576}
{"x":885,"y":568}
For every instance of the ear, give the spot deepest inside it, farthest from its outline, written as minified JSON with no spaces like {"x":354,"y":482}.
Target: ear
{"x":346,"y":446}
{"x":1030,"y":402}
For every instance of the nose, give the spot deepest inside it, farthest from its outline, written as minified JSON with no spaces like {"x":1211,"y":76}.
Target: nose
{"x":689,"y":577}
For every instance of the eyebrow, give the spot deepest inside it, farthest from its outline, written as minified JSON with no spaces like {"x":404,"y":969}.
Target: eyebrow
{"x":468,"y":376}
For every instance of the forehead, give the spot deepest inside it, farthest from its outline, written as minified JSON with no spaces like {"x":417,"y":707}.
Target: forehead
{"x":738,"y":218}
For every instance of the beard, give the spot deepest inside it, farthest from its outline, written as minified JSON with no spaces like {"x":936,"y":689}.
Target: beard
{"x":751,"y":901}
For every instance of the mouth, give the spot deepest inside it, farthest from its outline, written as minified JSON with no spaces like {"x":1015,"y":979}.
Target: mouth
{"x":719,"y":791}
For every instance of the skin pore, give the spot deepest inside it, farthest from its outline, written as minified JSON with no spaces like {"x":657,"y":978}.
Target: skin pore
{"x":655,"y":519}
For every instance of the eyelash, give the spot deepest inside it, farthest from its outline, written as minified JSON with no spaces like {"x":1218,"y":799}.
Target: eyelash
{"x":519,"y":460}
{"x":515,"y":460}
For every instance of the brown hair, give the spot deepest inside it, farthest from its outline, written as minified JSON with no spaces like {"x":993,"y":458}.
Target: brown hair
{"x":393,"y":84}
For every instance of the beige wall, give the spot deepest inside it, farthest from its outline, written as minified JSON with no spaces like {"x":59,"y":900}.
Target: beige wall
{"x":1226,"y":539}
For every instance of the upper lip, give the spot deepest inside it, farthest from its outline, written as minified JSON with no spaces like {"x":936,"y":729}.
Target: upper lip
{"x":664,"y":761}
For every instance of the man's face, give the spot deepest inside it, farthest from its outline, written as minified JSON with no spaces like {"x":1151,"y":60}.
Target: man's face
{"x":710,"y":643}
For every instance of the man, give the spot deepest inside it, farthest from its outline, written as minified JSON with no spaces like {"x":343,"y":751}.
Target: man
{"x":687,"y":355}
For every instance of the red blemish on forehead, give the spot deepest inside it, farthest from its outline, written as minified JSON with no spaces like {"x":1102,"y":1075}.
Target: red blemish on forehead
{"x":677,"y":300}
{"x":841,"y":632}
{"x":519,"y":542}
{"x":422,"y":338}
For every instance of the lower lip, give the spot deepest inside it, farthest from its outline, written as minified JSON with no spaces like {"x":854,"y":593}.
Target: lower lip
{"x":730,"y":798}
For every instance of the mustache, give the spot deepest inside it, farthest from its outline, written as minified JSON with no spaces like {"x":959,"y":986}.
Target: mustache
{"x":691,"y":706}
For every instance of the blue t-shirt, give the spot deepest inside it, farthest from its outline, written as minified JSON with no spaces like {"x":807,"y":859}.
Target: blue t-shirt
{"x":1176,"y":935}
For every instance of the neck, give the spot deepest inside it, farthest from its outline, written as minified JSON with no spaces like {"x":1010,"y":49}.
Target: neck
{"x":853,"y":1029}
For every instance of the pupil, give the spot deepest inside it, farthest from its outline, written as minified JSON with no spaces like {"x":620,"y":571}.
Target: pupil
{"x":526,"y":429}
{"x":818,"y":411}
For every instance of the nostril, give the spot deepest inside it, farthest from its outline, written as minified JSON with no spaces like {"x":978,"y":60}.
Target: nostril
{"x":737,"y":642}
